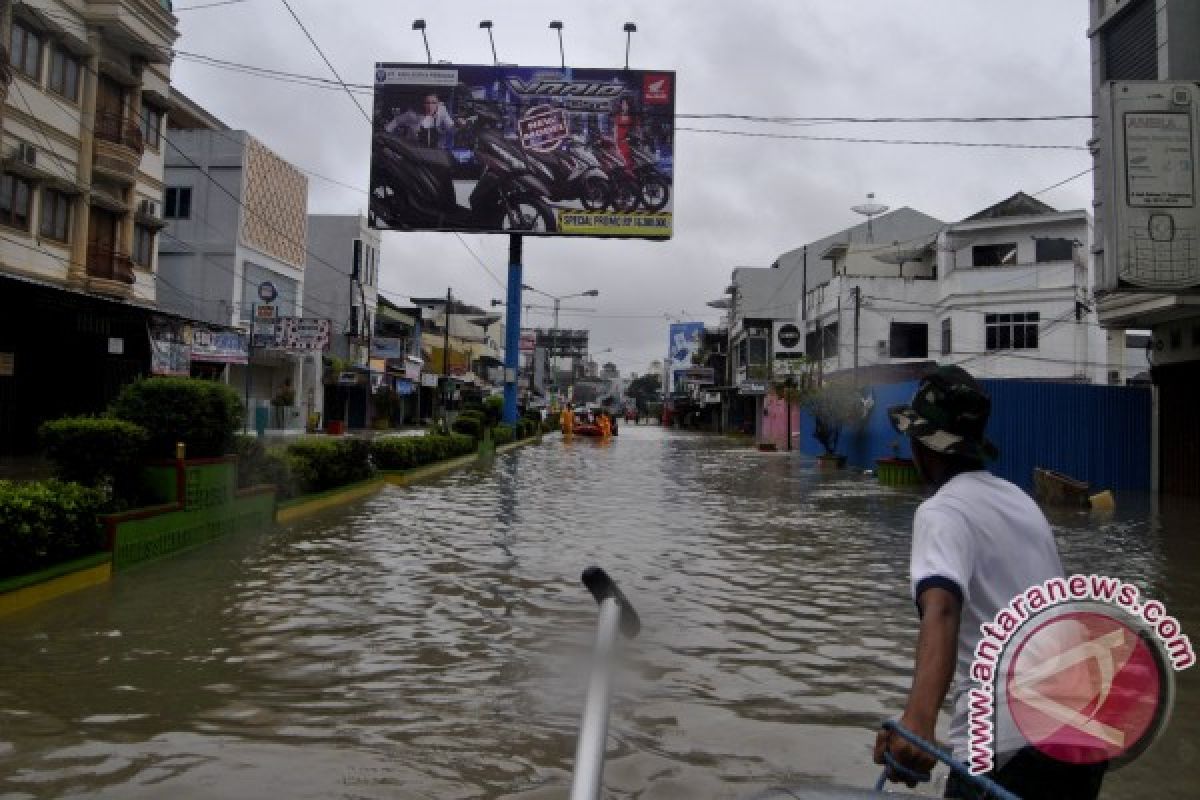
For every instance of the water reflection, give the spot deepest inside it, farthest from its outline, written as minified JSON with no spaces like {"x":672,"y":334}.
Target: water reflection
{"x":426,"y":643}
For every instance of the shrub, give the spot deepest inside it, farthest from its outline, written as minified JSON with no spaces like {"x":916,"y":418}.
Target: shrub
{"x":259,"y":464}
{"x":493,"y":408}
{"x":46,"y":523}
{"x":202,"y":414}
{"x":502,"y":434}
{"x":96,"y":452}
{"x":469,"y":426}
{"x":320,"y":464}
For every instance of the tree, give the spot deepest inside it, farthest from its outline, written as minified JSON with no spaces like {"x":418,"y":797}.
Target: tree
{"x":644,"y":389}
{"x":833,"y":407}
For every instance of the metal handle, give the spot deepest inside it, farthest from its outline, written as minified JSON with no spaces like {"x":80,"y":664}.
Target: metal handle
{"x":616,"y":616}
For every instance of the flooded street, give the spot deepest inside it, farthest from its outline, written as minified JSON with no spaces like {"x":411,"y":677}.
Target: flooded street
{"x":426,"y":642}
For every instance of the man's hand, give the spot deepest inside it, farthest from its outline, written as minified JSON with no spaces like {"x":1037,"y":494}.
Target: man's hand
{"x":903,"y":752}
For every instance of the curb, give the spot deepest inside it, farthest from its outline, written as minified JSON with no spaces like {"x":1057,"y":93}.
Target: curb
{"x":63,"y":579}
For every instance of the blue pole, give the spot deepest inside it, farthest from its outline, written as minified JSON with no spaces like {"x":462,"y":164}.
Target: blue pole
{"x":512,"y":329}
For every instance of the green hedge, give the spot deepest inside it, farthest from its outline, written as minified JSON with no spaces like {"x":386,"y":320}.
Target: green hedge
{"x":259,"y":464}
{"x":46,"y":523}
{"x":97,"y":452}
{"x":320,"y":464}
{"x":407,"y":452}
{"x":502,"y":434}
{"x":469,"y":426}
{"x":202,"y":414}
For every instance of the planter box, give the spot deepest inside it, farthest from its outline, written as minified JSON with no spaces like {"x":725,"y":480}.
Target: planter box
{"x":335,"y":427}
{"x":831,"y":462}
{"x":897,"y":472}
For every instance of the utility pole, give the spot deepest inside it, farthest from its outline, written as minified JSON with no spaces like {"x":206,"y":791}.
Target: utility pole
{"x":249,"y":358}
{"x":857,"y":292}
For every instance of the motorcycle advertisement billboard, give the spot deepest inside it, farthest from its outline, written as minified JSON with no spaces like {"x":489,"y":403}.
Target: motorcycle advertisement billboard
{"x":537,"y":150}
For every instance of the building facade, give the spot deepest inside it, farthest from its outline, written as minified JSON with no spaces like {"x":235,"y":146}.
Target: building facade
{"x":1153,"y":40}
{"x":235,"y":241}
{"x":85,"y":94}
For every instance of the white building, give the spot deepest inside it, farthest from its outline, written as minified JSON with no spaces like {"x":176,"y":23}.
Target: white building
{"x":237,"y":217}
{"x":1005,"y":293}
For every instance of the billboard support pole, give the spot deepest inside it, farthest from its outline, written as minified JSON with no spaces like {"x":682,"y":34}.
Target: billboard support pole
{"x":512,"y":329}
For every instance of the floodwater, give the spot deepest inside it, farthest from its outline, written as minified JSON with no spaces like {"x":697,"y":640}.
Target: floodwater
{"x":427,"y":642}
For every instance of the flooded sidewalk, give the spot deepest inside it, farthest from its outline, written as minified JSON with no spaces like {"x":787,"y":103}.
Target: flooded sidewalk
{"x":427,"y":642}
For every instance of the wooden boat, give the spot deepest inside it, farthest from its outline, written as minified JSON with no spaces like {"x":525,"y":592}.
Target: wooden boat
{"x":1057,"y":489}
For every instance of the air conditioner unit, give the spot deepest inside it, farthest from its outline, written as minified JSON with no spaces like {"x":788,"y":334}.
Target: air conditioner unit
{"x":148,"y":208}
{"x":27,"y":154}
{"x":881,"y":347}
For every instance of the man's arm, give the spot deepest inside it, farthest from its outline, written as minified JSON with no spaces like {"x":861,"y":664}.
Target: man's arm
{"x":937,"y":645}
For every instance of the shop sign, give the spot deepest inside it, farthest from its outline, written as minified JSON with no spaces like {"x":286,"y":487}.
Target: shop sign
{"x":404,"y":387}
{"x":303,"y":334}
{"x":752,"y":388}
{"x":221,"y":347}
{"x":116,"y":346}
{"x":429,"y":380}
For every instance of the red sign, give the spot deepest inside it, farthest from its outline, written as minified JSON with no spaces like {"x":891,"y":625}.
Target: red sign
{"x":656,"y":89}
{"x":543,"y":128}
{"x":1086,"y":687}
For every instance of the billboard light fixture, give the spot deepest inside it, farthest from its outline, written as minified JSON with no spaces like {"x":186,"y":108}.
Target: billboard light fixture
{"x":419,"y":25}
{"x":557,"y":25}
{"x":630,"y":29}
{"x":486,"y":24}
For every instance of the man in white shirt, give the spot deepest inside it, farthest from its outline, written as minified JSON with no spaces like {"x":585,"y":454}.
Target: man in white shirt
{"x":429,"y":126}
{"x":978,"y":542}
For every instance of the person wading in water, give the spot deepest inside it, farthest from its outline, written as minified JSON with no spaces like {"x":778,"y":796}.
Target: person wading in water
{"x":977,"y":543}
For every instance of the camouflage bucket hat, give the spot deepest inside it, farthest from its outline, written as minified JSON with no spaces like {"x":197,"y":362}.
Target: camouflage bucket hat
{"x":948,"y":414}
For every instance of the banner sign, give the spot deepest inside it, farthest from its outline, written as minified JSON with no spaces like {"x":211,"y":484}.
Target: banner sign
{"x":497,"y":149}
{"x":170,"y":349}
{"x":303,"y":334}
{"x":387,"y":347}
{"x":683,"y":345}
{"x":221,"y":347}
{"x":528,"y":340}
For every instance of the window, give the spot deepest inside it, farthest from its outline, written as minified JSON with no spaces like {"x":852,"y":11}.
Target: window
{"x":15,"y":194}
{"x":178,"y":203}
{"x":1012,"y":331}
{"x":150,"y":123}
{"x":947,"y":337}
{"x":64,"y":74}
{"x":56,"y":215}
{"x":908,"y":340}
{"x":26,"y":51}
{"x":994,"y":255}
{"x":143,"y":246}
{"x":1053,"y":250}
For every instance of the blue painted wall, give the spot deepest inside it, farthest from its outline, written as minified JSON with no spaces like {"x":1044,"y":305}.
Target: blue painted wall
{"x":1099,"y":434}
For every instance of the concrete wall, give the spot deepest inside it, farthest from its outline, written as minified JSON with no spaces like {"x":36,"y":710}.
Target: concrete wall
{"x":327,"y":291}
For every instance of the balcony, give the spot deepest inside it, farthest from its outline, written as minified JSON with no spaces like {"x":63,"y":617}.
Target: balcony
{"x":117,"y":149}
{"x":109,"y":272}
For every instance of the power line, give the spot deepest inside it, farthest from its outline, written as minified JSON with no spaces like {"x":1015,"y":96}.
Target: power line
{"x":881,"y":120}
{"x":328,"y":63}
{"x":200,"y":6}
{"x":861,"y":140}
{"x":1076,"y":176}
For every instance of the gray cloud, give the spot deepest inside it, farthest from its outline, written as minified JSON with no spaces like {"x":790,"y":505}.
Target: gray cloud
{"x":739,"y":201}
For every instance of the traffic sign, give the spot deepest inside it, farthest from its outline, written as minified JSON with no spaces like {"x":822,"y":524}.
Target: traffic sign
{"x":267,"y":292}
{"x":264,"y":312}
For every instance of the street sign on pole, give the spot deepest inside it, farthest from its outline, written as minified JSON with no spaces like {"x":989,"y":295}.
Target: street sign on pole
{"x":264,"y":312}
{"x":267,"y":292}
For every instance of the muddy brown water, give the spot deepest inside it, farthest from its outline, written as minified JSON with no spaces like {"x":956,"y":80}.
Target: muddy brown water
{"x":427,"y":642}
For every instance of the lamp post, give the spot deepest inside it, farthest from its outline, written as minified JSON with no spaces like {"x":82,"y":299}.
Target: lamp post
{"x":419,"y":25}
{"x":562,"y":57}
{"x":487,"y":26}
{"x":557,"y":300}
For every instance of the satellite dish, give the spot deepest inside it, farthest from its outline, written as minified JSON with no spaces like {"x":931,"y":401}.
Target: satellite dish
{"x":870,"y":210}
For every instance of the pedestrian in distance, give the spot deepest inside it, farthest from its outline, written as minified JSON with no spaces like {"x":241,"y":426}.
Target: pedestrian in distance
{"x":977,"y":543}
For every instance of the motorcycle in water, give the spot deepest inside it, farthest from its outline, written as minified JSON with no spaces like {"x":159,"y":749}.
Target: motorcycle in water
{"x":412,"y":186}
{"x":575,"y":174}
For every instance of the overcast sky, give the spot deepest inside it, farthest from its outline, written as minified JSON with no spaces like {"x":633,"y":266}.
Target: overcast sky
{"x":739,"y":201}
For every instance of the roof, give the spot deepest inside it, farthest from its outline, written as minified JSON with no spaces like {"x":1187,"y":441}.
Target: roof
{"x":186,"y":114}
{"x":1018,"y":205}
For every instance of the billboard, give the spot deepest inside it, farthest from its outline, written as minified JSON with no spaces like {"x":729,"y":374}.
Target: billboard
{"x":540,"y":150}
{"x":683,"y":345}
{"x":1149,"y":186}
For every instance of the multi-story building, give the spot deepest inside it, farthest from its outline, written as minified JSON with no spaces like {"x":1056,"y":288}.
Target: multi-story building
{"x":1153,"y":40}
{"x":236,"y":240}
{"x":1006,"y":293}
{"x":341,"y":278}
{"x":84,"y":93}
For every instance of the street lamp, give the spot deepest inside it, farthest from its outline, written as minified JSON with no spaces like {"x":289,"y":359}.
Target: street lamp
{"x":558,"y":26}
{"x":419,"y":25}
{"x":557,"y":299}
{"x":487,"y":26}
{"x":630,"y":29}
